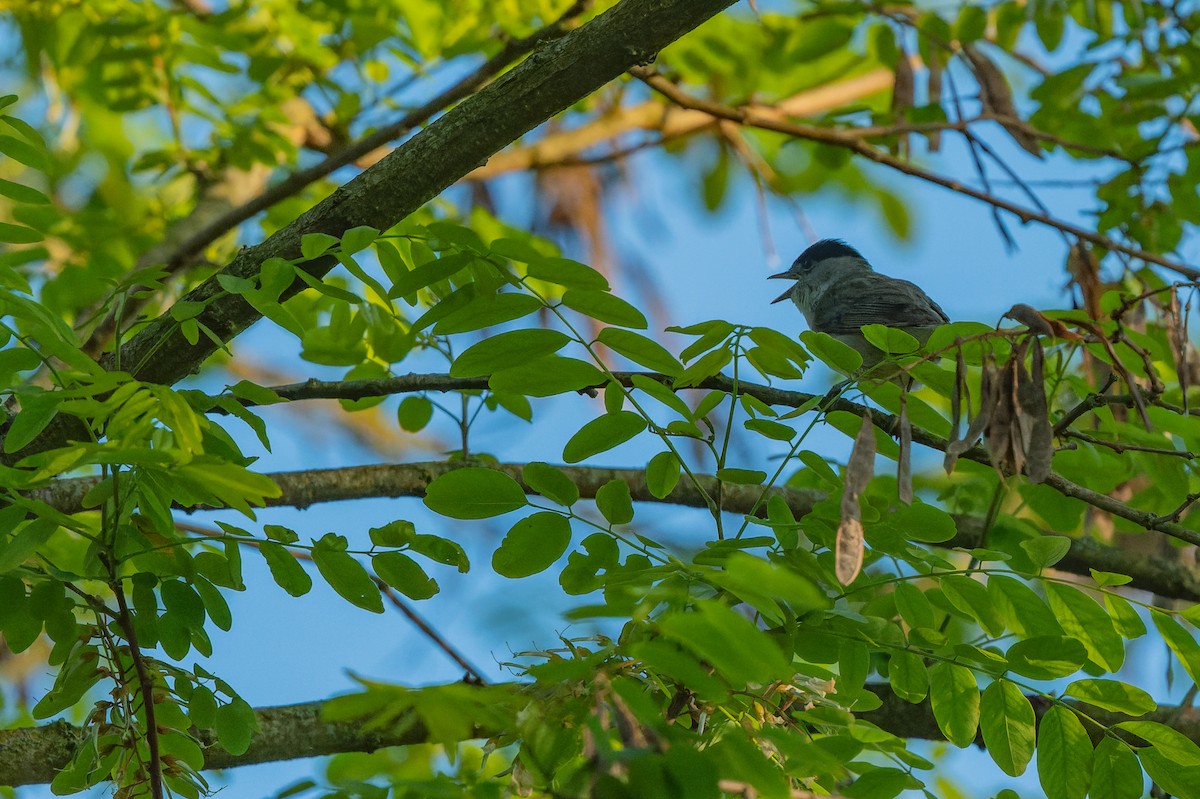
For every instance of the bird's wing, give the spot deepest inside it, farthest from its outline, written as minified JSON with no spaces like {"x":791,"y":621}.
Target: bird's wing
{"x":874,"y":299}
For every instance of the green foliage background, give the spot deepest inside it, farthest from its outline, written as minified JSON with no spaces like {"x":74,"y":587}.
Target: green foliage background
{"x":997,"y":609}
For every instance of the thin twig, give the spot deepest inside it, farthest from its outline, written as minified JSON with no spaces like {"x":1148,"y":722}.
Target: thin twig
{"x":145,"y":687}
{"x":839,"y":138}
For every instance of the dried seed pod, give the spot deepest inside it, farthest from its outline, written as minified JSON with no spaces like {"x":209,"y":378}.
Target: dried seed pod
{"x":860,"y":468}
{"x":934,"y":92}
{"x":997,"y":99}
{"x":1035,"y":417}
{"x":903,"y":97}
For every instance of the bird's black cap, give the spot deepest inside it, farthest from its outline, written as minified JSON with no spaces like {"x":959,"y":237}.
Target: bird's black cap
{"x":828,"y":248}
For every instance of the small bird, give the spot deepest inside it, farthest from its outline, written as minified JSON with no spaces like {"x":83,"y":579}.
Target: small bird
{"x":838,"y":292}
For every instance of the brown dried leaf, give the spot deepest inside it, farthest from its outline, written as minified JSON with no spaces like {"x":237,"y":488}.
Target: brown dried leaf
{"x":1035,"y":417}
{"x":934,"y":93}
{"x":903,"y":94}
{"x":996,"y":97}
{"x":1085,"y":271}
{"x":1004,"y":430}
{"x":988,"y":385}
{"x":1039,"y":324}
{"x":860,"y":468}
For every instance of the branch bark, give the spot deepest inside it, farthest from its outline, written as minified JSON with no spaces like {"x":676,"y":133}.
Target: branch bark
{"x":31,"y":755}
{"x":1164,"y":577}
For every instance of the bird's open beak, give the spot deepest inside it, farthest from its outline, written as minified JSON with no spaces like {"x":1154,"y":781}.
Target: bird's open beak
{"x":785,"y":295}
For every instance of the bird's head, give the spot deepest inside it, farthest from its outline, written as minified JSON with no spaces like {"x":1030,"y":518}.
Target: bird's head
{"x":821,"y":265}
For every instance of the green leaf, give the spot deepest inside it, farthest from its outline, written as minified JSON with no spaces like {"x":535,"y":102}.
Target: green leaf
{"x":506,"y":350}
{"x":749,"y":477}
{"x":1046,"y":657}
{"x":285,"y":570}
{"x":662,"y":474}
{"x":345,"y":575}
{"x":202,"y":707}
{"x":614,"y":502}
{"x":1105,"y":579}
{"x":474,"y":493}
{"x":602,"y":434}
{"x":24,"y":542}
{"x":1112,"y":695}
{"x":972,"y":598}
{"x":214,"y":603}
{"x":1181,"y":642}
{"x":605,"y":307}
{"x":1125,"y":619}
{"x":414,"y":413}
{"x":764,"y":583}
{"x":566,"y":272}
{"x":547,"y":376}
{"x":404,"y":574}
{"x":1027,"y":613}
{"x":816,"y":38}
{"x":890,"y":340}
{"x":427,"y":274}
{"x":181,"y":599}
{"x":641,"y":350}
{"x":776,"y":431}
{"x":1064,"y":761}
{"x":1046,"y":550}
{"x":313,"y":245}
{"x":486,"y":311}
{"x":355,"y":239}
{"x":1171,"y":777}
{"x":923,"y":522}
{"x":914,"y":606}
{"x":1167,"y":740}
{"x":1116,"y":773}
{"x":704,"y":367}
{"x":22,"y":193}
{"x":18,"y":234}
{"x":908,"y":676}
{"x":581,"y":573}
{"x":662,"y":393}
{"x":235,"y":725}
{"x":36,"y":412}
{"x":1082,"y":617}
{"x":954,"y":696}
{"x":441,"y":550}
{"x":532,"y":545}
{"x":551,"y":482}
{"x":1008,"y":725}
{"x":831,"y":352}
{"x":721,"y":636}
{"x":25,"y":153}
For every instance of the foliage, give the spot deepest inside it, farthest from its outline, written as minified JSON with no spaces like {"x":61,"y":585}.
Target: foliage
{"x":751,"y":660}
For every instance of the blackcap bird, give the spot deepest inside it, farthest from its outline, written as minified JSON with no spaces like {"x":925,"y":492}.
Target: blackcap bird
{"x":838,"y":292}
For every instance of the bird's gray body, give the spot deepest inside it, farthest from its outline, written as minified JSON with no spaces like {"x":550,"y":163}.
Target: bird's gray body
{"x":838,"y":292}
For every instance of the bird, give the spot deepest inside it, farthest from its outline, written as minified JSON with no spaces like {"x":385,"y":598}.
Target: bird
{"x":838,"y":292}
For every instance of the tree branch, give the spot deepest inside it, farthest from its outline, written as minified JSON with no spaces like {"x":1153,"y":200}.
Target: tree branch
{"x":1158,"y":575}
{"x":358,"y":389}
{"x":31,"y":755}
